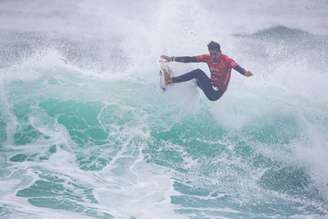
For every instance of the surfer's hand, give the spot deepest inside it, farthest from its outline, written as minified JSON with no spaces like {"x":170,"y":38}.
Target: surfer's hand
{"x":167,"y":58}
{"x":248,"y":73}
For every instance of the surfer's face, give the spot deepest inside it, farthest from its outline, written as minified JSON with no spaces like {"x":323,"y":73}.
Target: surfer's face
{"x":215,"y":54}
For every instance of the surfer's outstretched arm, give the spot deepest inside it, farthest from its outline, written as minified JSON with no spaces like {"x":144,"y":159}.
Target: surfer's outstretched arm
{"x":184,"y":59}
{"x":243,"y":71}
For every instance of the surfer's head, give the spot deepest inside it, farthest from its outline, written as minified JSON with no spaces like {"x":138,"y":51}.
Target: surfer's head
{"x":214,"y":46}
{"x":215,"y":50}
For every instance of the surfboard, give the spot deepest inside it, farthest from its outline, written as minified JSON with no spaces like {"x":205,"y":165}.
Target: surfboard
{"x":164,"y":67}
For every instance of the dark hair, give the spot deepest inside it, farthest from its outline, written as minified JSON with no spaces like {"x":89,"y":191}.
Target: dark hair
{"x":214,"y":46}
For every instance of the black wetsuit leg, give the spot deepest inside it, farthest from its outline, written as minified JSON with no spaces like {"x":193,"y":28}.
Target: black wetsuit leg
{"x":203,"y":82}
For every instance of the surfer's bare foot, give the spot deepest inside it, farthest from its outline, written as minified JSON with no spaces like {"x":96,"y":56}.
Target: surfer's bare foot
{"x":167,"y":77}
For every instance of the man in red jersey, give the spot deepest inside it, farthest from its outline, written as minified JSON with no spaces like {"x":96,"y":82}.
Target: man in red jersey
{"x":220,"y":66}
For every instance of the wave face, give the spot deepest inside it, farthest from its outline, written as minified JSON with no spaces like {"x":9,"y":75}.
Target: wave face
{"x":86,"y":132}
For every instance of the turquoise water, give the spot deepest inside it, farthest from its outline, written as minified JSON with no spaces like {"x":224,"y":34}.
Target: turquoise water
{"x":88,"y":134}
{"x":67,"y":152}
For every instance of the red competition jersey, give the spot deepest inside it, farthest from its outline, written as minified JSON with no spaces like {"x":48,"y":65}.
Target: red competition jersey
{"x":220,"y":71}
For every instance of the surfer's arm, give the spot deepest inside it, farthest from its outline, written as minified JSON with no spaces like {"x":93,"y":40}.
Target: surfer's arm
{"x":184,"y":59}
{"x":243,"y":71}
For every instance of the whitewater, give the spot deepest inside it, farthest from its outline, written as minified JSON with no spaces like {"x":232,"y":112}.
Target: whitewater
{"x":86,"y":132}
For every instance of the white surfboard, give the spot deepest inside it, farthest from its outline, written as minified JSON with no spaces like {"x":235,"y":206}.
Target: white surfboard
{"x":164,"y":67}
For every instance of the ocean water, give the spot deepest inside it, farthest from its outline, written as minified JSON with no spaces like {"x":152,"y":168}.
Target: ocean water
{"x":86,"y":132}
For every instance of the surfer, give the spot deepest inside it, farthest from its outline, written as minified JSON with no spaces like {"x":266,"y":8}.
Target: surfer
{"x":220,"y":66}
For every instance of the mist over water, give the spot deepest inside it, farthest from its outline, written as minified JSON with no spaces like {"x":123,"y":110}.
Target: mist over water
{"x":86,"y":132}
